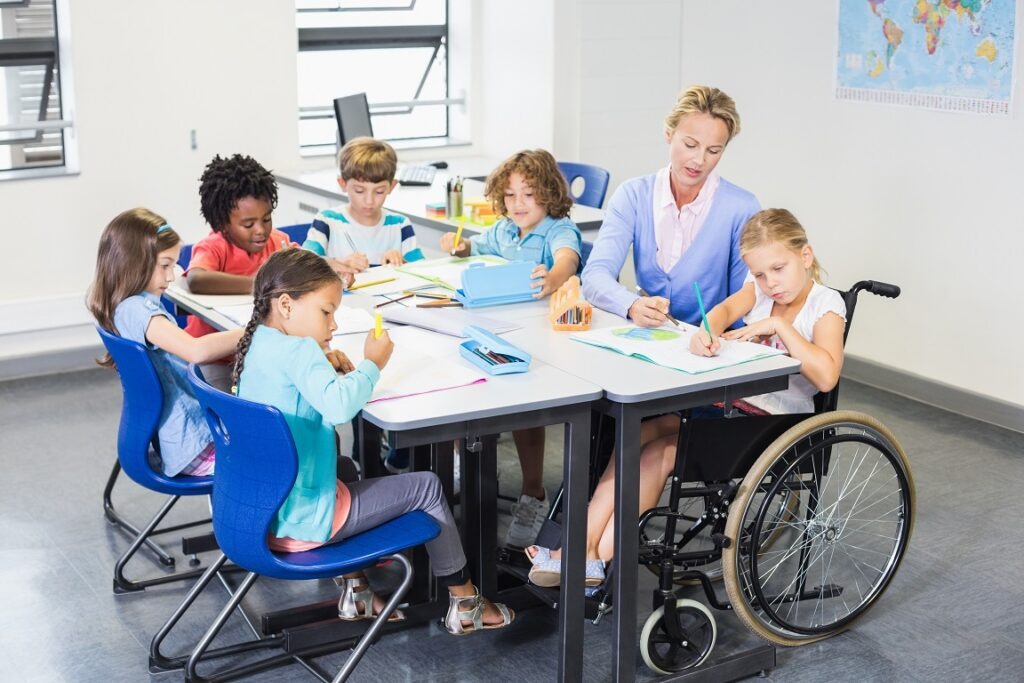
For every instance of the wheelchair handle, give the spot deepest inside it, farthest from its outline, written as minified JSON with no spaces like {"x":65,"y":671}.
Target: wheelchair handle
{"x":879,"y":288}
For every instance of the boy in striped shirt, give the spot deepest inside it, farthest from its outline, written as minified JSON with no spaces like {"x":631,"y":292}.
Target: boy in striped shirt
{"x":354,"y":236}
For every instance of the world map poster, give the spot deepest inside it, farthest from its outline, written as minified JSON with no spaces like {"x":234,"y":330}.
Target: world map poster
{"x":952,"y":55}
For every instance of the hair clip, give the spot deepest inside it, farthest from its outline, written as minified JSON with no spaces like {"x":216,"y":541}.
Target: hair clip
{"x":162,"y":228}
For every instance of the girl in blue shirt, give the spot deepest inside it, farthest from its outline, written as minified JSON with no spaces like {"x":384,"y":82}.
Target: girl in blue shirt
{"x":284,"y":360}
{"x":137,"y":255}
{"x":533,"y":198}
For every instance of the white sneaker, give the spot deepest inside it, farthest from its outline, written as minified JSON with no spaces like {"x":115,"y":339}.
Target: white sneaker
{"x":528,"y":517}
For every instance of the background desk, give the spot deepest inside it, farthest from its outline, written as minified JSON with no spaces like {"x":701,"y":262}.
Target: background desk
{"x":303,"y":194}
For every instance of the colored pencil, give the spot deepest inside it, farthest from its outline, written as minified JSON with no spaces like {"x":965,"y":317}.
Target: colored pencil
{"x":370,"y":284}
{"x":703,"y":313}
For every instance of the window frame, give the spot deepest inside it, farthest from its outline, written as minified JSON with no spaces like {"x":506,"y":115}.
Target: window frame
{"x":343,"y":38}
{"x":56,"y":51}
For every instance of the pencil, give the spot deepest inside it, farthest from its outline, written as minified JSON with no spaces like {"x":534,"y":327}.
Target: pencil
{"x":641,"y":292}
{"x":458,"y":234}
{"x":354,"y":287}
{"x":440,"y":303}
{"x":351,"y":244}
{"x":378,"y":325}
{"x":391,"y":301}
{"x":703,"y":313}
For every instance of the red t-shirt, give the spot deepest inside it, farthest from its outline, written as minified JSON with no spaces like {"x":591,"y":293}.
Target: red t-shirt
{"x":214,"y":252}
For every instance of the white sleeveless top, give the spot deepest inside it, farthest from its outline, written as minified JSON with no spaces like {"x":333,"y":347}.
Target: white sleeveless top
{"x":799,"y":397}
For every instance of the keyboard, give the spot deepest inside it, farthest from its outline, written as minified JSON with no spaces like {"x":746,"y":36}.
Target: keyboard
{"x":416,"y":175}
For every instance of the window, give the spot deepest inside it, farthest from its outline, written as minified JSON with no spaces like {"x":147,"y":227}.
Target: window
{"x":396,"y":51}
{"x":34,"y":90}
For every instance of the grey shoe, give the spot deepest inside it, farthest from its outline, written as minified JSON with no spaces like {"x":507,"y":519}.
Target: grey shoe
{"x":528,"y":517}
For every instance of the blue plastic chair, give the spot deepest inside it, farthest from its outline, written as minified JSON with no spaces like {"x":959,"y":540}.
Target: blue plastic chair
{"x":256,"y":468}
{"x":140,"y":417}
{"x":296,"y":233}
{"x":595,"y":182}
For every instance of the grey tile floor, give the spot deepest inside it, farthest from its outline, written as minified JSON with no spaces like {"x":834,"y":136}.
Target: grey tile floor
{"x":954,"y":612}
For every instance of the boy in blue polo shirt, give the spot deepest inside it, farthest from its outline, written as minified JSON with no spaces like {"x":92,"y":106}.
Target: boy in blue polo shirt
{"x":532,"y":196}
{"x":354,"y":236}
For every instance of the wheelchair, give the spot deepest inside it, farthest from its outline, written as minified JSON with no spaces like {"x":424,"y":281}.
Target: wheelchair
{"x":805,"y":518}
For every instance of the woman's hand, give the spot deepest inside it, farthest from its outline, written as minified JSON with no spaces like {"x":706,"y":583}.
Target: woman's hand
{"x":391,"y":258}
{"x":339,"y":361}
{"x":754,"y":332}
{"x":701,"y":343}
{"x":649,"y":311}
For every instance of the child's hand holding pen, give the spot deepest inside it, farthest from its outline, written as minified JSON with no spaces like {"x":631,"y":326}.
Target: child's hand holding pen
{"x":378,"y":348}
{"x":449,"y":247}
{"x":701,"y":343}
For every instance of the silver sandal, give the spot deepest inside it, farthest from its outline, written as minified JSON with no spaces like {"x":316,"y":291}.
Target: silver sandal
{"x":471,"y":608}
{"x":355,"y":591}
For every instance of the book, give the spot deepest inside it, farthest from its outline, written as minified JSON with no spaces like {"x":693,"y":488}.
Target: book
{"x":670,"y":347}
{"x":451,"y":321}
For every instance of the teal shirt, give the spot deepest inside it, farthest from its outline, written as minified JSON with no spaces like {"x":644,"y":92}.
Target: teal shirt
{"x":293,"y":375}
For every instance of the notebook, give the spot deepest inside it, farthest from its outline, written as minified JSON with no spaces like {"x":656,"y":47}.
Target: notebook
{"x":450,"y":321}
{"x":670,"y":347}
{"x":447,"y":271}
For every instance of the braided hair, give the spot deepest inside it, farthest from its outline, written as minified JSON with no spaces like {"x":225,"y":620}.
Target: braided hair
{"x":294,"y":272}
{"x":227,"y":180}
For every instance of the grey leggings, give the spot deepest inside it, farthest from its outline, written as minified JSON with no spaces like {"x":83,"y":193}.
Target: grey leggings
{"x":375,"y":501}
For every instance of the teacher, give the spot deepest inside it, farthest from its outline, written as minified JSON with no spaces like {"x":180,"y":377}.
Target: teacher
{"x":683,"y":222}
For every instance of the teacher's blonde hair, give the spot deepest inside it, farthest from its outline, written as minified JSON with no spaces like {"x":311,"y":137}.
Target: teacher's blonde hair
{"x":702,"y":99}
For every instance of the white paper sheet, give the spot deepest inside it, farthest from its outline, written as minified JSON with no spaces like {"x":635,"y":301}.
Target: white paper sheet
{"x":448,"y":270}
{"x":445,"y":320}
{"x":350,"y":320}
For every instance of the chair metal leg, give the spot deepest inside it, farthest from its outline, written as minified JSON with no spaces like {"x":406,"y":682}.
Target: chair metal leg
{"x":370,"y":637}
{"x":121,"y":583}
{"x":215,"y":627}
{"x":157,"y":660}
{"x":112,"y":515}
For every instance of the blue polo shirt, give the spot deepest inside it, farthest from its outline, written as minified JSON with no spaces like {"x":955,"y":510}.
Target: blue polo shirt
{"x":539,"y":245}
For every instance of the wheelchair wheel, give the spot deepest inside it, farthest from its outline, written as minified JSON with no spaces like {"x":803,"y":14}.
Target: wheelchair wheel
{"x":667,"y":648}
{"x":832,"y":559}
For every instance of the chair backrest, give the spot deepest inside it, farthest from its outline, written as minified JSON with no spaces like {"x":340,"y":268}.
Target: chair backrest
{"x":595,"y":182}
{"x":826,"y":401}
{"x":296,"y":233}
{"x":183,"y":260}
{"x":256,"y":468}
{"x":141,"y":408}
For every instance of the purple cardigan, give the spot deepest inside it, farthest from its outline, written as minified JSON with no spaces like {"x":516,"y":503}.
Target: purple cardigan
{"x":713,"y":259}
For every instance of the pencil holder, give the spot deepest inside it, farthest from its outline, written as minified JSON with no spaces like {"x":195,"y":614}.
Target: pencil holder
{"x":568,"y":310}
{"x":454,"y":204}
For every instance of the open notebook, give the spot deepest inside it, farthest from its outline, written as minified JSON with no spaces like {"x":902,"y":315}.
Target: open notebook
{"x":447,"y":271}
{"x":670,"y":347}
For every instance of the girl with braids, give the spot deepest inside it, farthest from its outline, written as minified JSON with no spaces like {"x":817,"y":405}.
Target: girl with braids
{"x":783,"y":304}
{"x":135,"y":263}
{"x":283,"y":360}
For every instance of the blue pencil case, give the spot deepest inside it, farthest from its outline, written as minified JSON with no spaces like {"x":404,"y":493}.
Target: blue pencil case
{"x":484,"y":285}
{"x":491,"y":353}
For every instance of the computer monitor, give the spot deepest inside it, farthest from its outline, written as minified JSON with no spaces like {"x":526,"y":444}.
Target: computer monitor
{"x":353,"y":115}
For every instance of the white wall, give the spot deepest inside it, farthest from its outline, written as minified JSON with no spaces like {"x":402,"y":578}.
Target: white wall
{"x":926,"y":200}
{"x":145,"y":74}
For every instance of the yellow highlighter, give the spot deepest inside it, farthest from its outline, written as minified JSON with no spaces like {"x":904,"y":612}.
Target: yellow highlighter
{"x":458,"y":234}
{"x":378,"y":325}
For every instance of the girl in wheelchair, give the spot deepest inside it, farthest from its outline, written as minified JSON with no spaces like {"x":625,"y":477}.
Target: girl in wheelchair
{"x":782,"y":304}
